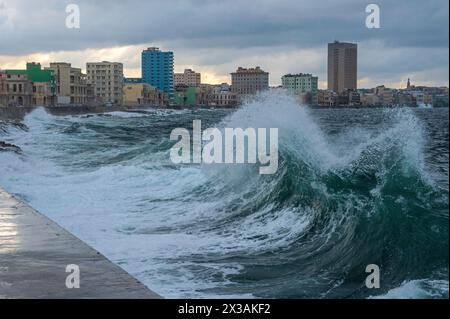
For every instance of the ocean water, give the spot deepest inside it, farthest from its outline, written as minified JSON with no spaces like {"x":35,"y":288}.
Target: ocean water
{"x":354,"y":187}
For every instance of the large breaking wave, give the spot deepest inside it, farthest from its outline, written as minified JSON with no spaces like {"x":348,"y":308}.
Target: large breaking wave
{"x":337,"y":203}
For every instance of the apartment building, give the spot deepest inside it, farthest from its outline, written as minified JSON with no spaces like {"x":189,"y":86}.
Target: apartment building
{"x":157,"y":69}
{"x":70,"y":84}
{"x":189,"y":78}
{"x":301,"y":84}
{"x":107,"y":79}
{"x":15,"y":89}
{"x":143,"y":94}
{"x":249,"y":81}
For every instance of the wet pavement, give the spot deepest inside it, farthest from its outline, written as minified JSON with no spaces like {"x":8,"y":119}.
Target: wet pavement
{"x":34,"y":254}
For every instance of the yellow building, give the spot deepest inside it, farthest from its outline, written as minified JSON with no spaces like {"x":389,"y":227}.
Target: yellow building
{"x":138,"y":94}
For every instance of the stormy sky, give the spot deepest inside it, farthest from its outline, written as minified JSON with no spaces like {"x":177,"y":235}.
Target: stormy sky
{"x":214,"y":37}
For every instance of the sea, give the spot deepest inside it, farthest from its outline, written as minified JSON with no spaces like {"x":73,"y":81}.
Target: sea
{"x":354,"y":187}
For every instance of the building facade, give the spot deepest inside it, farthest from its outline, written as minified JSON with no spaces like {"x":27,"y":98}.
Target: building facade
{"x":385,"y":95}
{"x":15,"y":89}
{"x":70,"y":84}
{"x":327,"y":98}
{"x":185,"y":96}
{"x":225,"y":99}
{"x":304,"y":85}
{"x":342,"y":66}
{"x":222,"y":96}
{"x":157,"y":69}
{"x":249,"y":81}
{"x":188,"y":77}
{"x":135,"y":94}
{"x":370,"y":99}
{"x":107,"y":79}
{"x":43,"y":83}
{"x":204,"y":94}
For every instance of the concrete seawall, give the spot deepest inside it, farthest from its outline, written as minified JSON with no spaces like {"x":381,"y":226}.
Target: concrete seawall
{"x":34,"y":253}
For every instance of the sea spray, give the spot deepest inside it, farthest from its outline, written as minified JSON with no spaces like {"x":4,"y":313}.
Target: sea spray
{"x":353,"y":187}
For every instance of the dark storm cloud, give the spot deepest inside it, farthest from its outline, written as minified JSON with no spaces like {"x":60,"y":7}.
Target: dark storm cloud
{"x":280,"y":35}
{"x":39,"y":25}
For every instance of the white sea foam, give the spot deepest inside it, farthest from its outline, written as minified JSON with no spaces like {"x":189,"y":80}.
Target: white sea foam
{"x":144,"y":213}
{"x":417,"y":289}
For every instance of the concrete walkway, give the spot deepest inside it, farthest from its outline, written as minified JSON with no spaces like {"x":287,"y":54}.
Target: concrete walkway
{"x":34,"y":253}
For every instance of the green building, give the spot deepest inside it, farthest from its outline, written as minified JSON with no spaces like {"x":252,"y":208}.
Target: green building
{"x":302,"y":84}
{"x":185,"y":97}
{"x":35,"y":73}
{"x":43,"y":83}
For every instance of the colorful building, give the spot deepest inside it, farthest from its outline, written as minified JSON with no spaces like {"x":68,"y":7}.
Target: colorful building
{"x":157,"y":69}
{"x":301,"y":84}
{"x":43,"y":83}
{"x":185,"y":96}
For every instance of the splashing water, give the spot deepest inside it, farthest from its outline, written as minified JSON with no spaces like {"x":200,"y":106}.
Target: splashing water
{"x":353,"y":188}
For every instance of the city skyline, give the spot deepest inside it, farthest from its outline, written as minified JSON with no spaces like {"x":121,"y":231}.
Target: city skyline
{"x":386,"y":56}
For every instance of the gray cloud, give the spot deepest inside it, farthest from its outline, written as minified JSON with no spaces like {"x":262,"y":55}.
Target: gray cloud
{"x":413,"y":36}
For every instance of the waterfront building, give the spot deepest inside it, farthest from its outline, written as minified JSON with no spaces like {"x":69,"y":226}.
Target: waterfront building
{"x":136,"y":94}
{"x":418,"y":98}
{"x":222,"y":96}
{"x":386,"y":95}
{"x":15,"y":89}
{"x":403,"y":99}
{"x":370,"y":99}
{"x":143,"y":94}
{"x":107,"y":78}
{"x":249,"y":81}
{"x":185,"y":95}
{"x":188,"y":77}
{"x":204,"y":94}
{"x":327,"y":98}
{"x":91,"y":98}
{"x":43,"y":83}
{"x":157,"y":69}
{"x":342,"y":66}
{"x":303,"y":85}
{"x":70,"y":84}
{"x":353,"y":97}
{"x":342,"y":99}
{"x":225,"y":99}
